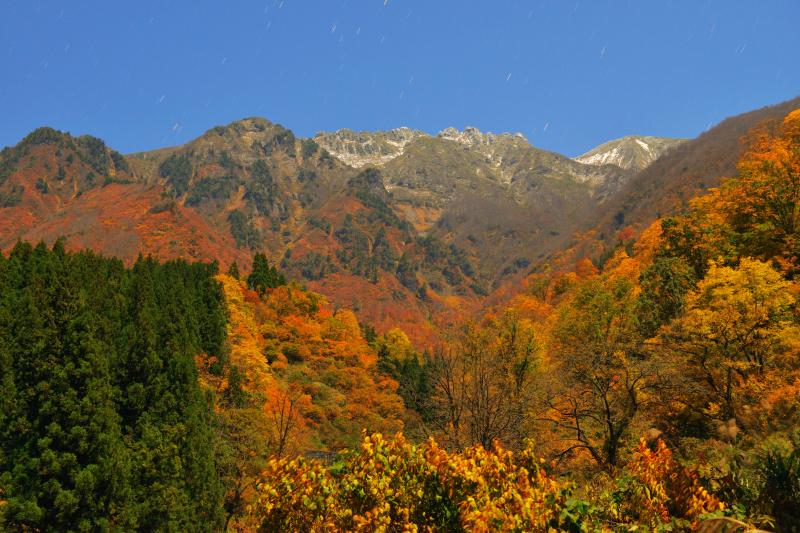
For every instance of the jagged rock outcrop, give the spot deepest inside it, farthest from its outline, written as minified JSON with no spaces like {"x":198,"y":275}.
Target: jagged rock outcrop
{"x":359,"y":149}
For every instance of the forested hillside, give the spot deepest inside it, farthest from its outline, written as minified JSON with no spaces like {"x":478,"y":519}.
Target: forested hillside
{"x":655,"y":387}
{"x":666,"y":186}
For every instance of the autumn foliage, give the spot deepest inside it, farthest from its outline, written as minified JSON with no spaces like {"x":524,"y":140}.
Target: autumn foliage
{"x":291,"y":348}
{"x":687,"y":336}
{"x":663,"y":383}
{"x":653,"y":488}
{"x":393,"y":484}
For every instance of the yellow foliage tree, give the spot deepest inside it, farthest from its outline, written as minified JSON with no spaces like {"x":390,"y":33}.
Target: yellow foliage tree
{"x":393,"y":485}
{"x":736,"y":337}
{"x":397,"y":345}
{"x":600,"y":383}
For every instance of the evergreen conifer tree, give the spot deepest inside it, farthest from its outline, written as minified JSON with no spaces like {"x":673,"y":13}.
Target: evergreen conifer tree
{"x":233,"y":270}
{"x":264,"y":276}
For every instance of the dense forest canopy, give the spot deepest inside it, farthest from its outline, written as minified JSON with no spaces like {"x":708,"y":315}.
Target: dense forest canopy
{"x":104,"y":425}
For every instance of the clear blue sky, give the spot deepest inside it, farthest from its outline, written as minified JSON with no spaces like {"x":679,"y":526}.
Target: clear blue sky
{"x":567,"y":74}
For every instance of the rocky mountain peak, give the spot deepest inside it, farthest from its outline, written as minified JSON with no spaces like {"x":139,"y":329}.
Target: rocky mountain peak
{"x":472,"y":136}
{"x":361,"y":148}
{"x":633,"y":152}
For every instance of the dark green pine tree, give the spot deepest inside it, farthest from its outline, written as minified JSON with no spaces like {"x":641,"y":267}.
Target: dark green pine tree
{"x":263,"y":276}
{"x":169,"y":418}
{"x":212,"y":310}
{"x":212,"y":315}
{"x":183,"y":339}
{"x":233,"y":270}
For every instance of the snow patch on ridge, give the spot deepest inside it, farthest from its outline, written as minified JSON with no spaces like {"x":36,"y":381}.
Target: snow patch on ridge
{"x":611,"y":157}
{"x":472,"y":136}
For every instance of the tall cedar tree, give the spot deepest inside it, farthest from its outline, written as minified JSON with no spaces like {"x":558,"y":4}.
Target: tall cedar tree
{"x":233,"y":270}
{"x":263,"y":276}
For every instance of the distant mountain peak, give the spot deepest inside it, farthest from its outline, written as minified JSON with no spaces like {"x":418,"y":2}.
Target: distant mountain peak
{"x":634,"y":152}
{"x":472,"y":136}
{"x":361,"y":148}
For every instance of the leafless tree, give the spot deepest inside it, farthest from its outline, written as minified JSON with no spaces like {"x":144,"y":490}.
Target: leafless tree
{"x":483,"y":384}
{"x":284,"y":414}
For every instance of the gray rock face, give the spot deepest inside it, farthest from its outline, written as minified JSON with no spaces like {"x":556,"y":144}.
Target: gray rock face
{"x":360,"y":148}
{"x":472,"y":136}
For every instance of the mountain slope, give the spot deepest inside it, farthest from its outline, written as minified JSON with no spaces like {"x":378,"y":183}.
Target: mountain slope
{"x":397,"y":243}
{"x":56,"y":185}
{"x":478,"y":191}
{"x":459,"y":195}
{"x":323,"y":221}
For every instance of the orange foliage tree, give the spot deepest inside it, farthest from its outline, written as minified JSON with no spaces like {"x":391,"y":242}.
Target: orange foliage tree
{"x":736,"y":339}
{"x":654,"y":489}
{"x":762,"y":204}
